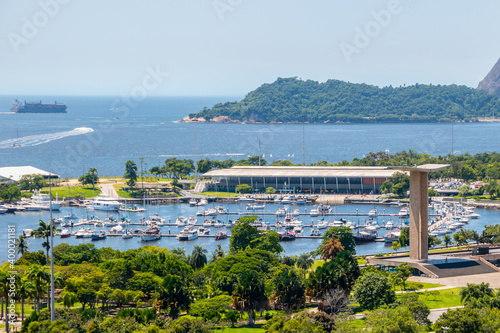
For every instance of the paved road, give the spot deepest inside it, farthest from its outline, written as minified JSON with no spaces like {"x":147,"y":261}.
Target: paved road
{"x":109,"y":190}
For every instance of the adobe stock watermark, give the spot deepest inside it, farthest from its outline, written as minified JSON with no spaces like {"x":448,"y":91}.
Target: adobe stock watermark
{"x":222,"y":7}
{"x":120,"y":108}
{"x":364,"y":36}
{"x":31,"y":26}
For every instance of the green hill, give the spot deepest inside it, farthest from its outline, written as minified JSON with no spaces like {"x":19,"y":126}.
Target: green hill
{"x":289,"y":100}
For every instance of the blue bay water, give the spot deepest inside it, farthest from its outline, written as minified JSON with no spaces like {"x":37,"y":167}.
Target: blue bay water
{"x":96,"y":134}
{"x":150,"y":130}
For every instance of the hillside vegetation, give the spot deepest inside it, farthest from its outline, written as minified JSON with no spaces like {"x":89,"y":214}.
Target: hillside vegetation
{"x":289,"y":100}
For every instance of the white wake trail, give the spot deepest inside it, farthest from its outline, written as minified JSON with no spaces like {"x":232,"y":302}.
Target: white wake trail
{"x":35,"y":140}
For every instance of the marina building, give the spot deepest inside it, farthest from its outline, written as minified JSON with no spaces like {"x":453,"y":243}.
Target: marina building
{"x":15,"y":173}
{"x":309,"y":179}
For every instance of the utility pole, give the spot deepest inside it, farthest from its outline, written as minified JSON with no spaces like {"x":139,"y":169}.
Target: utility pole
{"x":52,"y":303}
{"x":259,"y":150}
{"x":303,"y":142}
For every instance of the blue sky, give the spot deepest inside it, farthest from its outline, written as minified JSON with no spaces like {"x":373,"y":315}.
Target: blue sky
{"x":230,"y":47}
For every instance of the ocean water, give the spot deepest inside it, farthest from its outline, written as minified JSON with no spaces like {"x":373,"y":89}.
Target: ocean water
{"x":29,"y":220}
{"x":96,"y":132}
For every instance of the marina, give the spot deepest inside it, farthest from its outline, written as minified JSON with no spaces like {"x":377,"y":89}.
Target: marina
{"x":301,"y":232}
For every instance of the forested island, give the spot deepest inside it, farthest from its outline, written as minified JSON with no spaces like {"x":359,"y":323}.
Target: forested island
{"x":291,"y":100}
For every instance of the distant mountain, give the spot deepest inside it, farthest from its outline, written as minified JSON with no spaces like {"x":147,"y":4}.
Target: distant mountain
{"x":491,"y":83}
{"x":291,"y":100}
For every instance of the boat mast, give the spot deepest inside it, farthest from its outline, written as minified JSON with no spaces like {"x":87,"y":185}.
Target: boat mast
{"x":195,"y":159}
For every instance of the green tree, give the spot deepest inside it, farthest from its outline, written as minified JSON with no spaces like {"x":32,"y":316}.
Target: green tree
{"x":305,"y":261}
{"x":243,"y":233}
{"x":447,"y":240}
{"x":198,"y":259}
{"x":250,"y":293}
{"x":392,"y":320}
{"x":25,"y":290}
{"x":232,"y":316}
{"x":270,"y":190}
{"x":373,"y":290}
{"x":10,"y":192}
{"x":43,"y":231}
{"x":404,"y":237}
{"x":174,"y":294}
{"x":386,"y":186}
{"x":344,"y":235}
{"x":40,"y":279}
{"x":244,"y":188}
{"x":331,"y":248}
{"x":188,"y":325}
{"x":130,"y":173}
{"x":31,"y":182}
{"x":211,"y":308}
{"x":403,"y":272}
{"x":475,"y":291}
{"x":22,"y":245}
{"x":289,"y":289}
{"x":90,"y":178}
{"x":69,"y":299}
{"x":464,"y":320}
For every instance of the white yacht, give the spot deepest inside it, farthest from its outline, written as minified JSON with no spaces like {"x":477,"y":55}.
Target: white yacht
{"x":314,"y":212}
{"x":151,"y":234}
{"x":202,"y":202}
{"x":372,"y":212}
{"x":404,"y":212}
{"x":181,"y":221}
{"x":193,"y":202}
{"x":203,"y":231}
{"x":43,"y":200}
{"x":322,"y":224}
{"x":315,"y":231}
{"x":192,"y":220}
{"x":104,"y":202}
{"x":187,"y":234}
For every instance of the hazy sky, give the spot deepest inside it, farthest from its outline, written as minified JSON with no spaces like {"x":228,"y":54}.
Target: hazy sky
{"x":229,"y":47}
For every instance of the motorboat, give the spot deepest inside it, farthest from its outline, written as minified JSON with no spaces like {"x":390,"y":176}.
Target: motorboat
{"x":323,"y":224}
{"x":255,"y":207}
{"x":65,"y":233}
{"x":187,"y":234}
{"x":27,"y":232}
{"x":221,"y":235}
{"x":392,"y":236}
{"x":193,"y":202}
{"x":202,"y":202}
{"x":116,"y":229}
{"x":84,"y":233}
{"x":156,"y":219}
{"x":127,"y":234}
{"x":101,"y":235}
{"x":281,"y":211}
{"x":364,"y":237}
{"x":286,"y":200}
{"x":221,"y":210}
{"x":286,"y":236}
{"x":404,"y":212}
{"x":181,"y":221}
{"x":245,"y":200}
{"x":314,"y":212}
{"x":3,"y":210}
{"x":324,"y":209}
{"x":105,"y":203}
{"x":192,"y":220}
{"x":297,"y":230}
{"x":373,"y":212}
{"x":203,"y":231}
{"x":301,"y":201}
{"x":389,"y":225}
{"x":151,"y":234}
{"x":132,"y":209}
{"x":44,"y":201}
{"x":315,"y":231}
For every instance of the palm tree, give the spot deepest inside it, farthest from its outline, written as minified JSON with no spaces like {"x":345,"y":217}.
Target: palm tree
{"x":44,"y":232}
{"x":5,"y":287}
{"x":217,"y":254}
{"x":69,"y":299}
{"x":40,"y":279}
{"x":447,"y":240}
{"x":198,"y":259}
{"x":305,"y":261}
{"x":25,"y":290}
{"x":22,"y":245}
{"x":331,"y":249}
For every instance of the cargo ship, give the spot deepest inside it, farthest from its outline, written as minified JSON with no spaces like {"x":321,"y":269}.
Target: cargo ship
{"x":34,"y":107}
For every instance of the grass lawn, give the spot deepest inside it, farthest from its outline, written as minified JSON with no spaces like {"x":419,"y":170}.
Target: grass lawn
{"x":242,"y":329}
{"x":317,"y":263}
{"x":219,"y":194}
{"x":424,"y":285}
{"x":445,"y":299}
{"x":118,"y":189}
{"x":74,"y":191}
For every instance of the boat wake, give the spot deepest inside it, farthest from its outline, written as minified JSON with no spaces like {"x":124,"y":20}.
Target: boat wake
{"x":35,"y":140}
